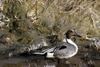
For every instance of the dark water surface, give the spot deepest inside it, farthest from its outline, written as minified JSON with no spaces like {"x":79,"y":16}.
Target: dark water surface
{"x":33,"y":62}
{"x":27,"y":62}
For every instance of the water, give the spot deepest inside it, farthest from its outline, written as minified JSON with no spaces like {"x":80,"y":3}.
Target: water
{"x":27,"y":62}
{"x":42,"y":62}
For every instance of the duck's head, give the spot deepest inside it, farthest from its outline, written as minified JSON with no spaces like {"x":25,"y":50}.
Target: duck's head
{"x":71,"y":33}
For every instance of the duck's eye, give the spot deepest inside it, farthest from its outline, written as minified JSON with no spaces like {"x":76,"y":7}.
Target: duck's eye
{"x":62,"y":47}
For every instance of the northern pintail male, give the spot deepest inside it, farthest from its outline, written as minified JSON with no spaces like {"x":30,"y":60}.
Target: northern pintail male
{"x":63,"y":50}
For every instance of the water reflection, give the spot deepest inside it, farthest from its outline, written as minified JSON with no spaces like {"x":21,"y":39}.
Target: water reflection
{"x":20,"y":62}
{"x":23,"y":62}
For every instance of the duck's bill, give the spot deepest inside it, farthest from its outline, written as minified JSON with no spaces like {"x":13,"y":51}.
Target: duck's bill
{"x":78,"y":35}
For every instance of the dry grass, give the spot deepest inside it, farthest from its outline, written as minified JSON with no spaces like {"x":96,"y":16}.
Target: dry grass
{"x":53,"y":17}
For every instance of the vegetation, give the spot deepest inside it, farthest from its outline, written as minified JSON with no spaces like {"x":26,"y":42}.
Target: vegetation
{"x":30,"y":19}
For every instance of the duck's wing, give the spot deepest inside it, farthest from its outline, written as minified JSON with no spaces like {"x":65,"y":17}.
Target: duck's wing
{"x":43,"y":50}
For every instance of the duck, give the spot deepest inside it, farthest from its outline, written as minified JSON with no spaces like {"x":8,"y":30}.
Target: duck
{"x":62,"y":50}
